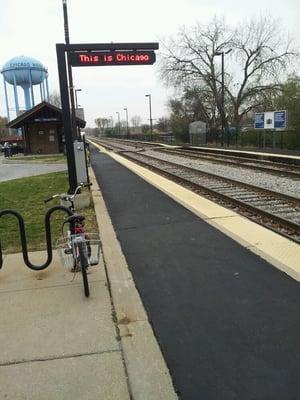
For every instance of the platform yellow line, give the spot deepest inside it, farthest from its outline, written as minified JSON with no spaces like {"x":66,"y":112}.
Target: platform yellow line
{"x":282,"y":253}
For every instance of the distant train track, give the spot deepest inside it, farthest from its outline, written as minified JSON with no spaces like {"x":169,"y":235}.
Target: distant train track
{"x":275,"y":168}
{"x":277,"y":211}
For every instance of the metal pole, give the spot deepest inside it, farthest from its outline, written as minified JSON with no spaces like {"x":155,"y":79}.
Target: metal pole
{"x":117,"y":112}
{"x":127,"y":121}
{"x":150,"y":110}
{"x":222,"y":99}
{"x":86,"y":161}
{"x":71,"y":86}
{"x":66,"y":116}
{"x":76,"y":102}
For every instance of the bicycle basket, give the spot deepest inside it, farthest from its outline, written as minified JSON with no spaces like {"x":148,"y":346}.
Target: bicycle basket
{"x":65,"y":247}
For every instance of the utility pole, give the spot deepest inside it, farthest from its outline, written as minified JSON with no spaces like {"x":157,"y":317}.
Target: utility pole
{"x":125,"y":109}
{"x":221,"y":53}
{"x":71,"y":86}
{"x":119,"y":122}
{"x":150,"y":110}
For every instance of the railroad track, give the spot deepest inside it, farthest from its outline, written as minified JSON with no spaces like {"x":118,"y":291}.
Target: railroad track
{"x":271,"y":167}
{"x":239,"y":162}
{"x":278,"y":212}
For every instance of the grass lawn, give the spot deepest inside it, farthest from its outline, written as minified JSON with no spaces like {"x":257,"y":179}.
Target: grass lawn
{"x":27,"y":196}
{"x":55,"y":158}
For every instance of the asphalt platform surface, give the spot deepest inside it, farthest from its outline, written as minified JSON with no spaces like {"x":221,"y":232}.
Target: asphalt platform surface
{"x":228,"y":323}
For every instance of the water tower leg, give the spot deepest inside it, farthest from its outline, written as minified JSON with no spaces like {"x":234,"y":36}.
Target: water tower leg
{"x":6,"y":99}
{"x":47,"y":88}
{"x":31,"y":88}
{"x":41,"y":91}
{"x":27,"y":97}
{"x":44,"y":91}
{"x":16,"y":96}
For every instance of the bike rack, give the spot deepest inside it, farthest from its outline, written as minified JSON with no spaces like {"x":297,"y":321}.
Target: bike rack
{"x":23,"y":236}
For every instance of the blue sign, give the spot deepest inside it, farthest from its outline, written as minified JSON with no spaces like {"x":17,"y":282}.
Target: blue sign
{"x":259,"y":120}
{"x":271,"y":120}
{"x":279,"y":119}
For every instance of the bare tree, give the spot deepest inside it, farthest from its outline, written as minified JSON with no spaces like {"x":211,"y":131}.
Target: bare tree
{"x":102,"y":124}
{"x":54,"y":99}
{"x":259,"y":58}
{"x":136,"y":121}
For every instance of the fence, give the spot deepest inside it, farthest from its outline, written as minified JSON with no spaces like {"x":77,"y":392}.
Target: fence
{"x":255,"y":138}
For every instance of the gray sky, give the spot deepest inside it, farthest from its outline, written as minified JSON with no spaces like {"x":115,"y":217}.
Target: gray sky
{"x":32,"y":28}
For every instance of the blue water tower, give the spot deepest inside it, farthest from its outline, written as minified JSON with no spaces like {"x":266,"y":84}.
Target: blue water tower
{"x":25,"y":72}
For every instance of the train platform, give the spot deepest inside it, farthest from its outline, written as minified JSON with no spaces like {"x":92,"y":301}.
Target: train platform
{"x":221,"y":293}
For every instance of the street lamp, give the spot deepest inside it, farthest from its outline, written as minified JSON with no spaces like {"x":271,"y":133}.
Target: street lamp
{"x":125,"y":109}
{"x":76,"y":101}
{"x":151,"y":127}
{"x":71,"y":86}
{"x":221,"y":53}
{"x":117,"y":112}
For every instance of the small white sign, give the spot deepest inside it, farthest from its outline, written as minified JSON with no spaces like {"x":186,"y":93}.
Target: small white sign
{"x":269,"y":120}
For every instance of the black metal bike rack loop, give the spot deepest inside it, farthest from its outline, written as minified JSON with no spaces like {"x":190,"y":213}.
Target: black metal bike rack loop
{"x":23,"y":236}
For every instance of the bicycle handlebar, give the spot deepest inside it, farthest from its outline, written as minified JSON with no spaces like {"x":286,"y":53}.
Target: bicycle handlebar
{"x":68,"y":197}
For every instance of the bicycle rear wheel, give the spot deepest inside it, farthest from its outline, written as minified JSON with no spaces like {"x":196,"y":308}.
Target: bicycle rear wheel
{"x":83,"y":265}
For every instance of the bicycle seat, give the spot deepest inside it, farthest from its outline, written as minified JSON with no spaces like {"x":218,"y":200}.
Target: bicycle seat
{"x":76,"y":218}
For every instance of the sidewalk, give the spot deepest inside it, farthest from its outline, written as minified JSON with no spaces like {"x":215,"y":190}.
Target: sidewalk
{"x":57,"y":344}
{"x":13,"y":169}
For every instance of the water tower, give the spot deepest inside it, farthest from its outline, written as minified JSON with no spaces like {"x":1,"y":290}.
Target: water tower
{"x":25,"y":72}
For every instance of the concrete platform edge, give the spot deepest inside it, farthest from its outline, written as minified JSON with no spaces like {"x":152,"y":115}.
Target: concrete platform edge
{"x":148,"y":374}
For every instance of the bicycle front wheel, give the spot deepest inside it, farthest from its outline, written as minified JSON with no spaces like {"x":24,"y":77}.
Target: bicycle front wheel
{"x":83,"y":265}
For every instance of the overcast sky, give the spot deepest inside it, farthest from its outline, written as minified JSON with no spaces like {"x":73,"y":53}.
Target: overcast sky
{"x":32,"y":28}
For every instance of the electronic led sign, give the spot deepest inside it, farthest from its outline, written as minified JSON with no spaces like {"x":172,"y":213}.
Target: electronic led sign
{"x":112,"y":58}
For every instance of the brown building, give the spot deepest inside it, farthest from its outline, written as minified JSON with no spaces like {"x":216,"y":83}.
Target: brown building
{"x":42,"y":129}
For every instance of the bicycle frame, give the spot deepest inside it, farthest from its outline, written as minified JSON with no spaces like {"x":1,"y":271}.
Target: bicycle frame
{"x":77,"y":241}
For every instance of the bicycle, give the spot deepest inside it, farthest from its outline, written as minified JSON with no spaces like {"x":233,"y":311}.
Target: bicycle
{"x":78,"y":249}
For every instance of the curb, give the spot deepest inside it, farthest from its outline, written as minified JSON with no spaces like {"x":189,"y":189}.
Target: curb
{"x":148,"y":375}
{"x":16,"y":162}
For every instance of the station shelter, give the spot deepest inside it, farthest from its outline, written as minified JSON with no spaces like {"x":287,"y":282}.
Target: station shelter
{"x":42,"y":129}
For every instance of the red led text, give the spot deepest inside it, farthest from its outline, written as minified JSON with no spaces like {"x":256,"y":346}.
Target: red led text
{"x":113,"y":58}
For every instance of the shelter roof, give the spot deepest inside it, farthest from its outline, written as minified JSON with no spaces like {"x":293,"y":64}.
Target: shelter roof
{"x":41,"y":113}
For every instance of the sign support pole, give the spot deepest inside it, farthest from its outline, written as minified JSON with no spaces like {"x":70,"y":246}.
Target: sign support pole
{"x":66,"y":116}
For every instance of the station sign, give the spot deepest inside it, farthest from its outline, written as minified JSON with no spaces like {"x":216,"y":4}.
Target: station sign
{"x":259,"y":120}
{"x":280,"y":119}
{"x":271,"y":120}
{"x":85,"y":59}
